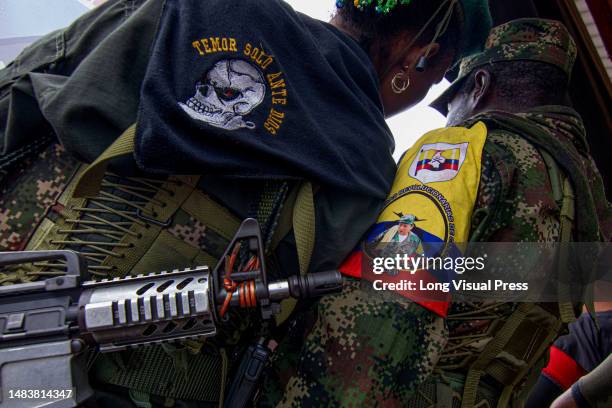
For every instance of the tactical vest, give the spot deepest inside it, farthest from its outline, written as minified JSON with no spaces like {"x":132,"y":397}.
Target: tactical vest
{"x":133,"y":225}
{"x":501,"y":372}
{"x":503,"y":345}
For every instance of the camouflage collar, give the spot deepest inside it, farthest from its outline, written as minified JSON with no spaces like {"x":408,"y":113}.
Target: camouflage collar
{"x":562,"y":121}
{"x":557,"y":130}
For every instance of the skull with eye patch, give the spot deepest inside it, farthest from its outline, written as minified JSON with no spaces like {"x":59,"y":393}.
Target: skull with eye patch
{"x":230,"y":90}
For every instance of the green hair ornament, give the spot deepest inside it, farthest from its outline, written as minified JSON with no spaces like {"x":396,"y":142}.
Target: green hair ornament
{"x":382,"y":6}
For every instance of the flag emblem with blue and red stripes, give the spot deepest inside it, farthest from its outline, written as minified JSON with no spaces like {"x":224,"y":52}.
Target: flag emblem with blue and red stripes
{"x":438,"y":162}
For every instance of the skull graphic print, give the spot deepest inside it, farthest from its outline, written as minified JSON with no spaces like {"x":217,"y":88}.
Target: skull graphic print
{"x":228,"y":92}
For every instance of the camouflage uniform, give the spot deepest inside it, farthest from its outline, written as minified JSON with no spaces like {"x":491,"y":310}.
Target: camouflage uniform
{"x":28,"y":190}
{"x":515,"y":203}
{"x":362,"y":349}
{"x":56,"y":86}
{"x":514,"y":143}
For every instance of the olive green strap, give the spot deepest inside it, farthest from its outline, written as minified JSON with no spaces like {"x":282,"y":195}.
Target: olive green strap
{"x":568,"y":212}
{"x":224,"y":373}
{"x":272,"y":200}
{"x":151,"y":370}
{"x":212,"y":214}
{"x":304,"y":226}
{"x":285,"y":220}
{"x":491,"y":350}
{"x":554,"y":175}
{"x":444,"y":395}
{"x":566,"y":308}
{"x":563,"y":194}
{"x":304,"y":232}
{"x":91,"y":179}
{"x":536,"y":349}
{"x":141,"y":399}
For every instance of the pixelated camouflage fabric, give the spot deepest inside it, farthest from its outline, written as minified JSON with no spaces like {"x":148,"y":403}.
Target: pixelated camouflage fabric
{"x":559,"y":131}
{"x":526,"y":39}
{"x":363,"y":349}
{"x":28,"y":191}
{"x":516,"y":204}
{"x":532,"y":39}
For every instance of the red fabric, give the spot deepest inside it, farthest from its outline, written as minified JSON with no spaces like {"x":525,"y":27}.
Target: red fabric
{"x":562,"y":369}
{"x":352,"y":265}
{"x":436,"y":302}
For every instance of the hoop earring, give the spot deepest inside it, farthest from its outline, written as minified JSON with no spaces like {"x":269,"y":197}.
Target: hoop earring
{"x":400,"y":82}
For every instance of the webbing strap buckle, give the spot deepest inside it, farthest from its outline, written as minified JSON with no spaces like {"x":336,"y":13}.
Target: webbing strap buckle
{"x":162,"y":224}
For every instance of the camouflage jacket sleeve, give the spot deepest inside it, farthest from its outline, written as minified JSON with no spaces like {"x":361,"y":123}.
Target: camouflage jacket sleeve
{"x":363,"y":348}
{"x":515,"y":202}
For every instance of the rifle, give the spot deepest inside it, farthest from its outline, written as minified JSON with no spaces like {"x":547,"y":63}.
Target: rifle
{"x":49,"y":328}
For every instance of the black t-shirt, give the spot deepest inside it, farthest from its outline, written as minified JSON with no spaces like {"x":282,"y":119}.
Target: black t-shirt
{"x":243,"y":91}
{"x":253,"y":89}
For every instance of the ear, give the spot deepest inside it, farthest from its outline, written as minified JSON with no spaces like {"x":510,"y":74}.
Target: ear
{"x":482,"y":86}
